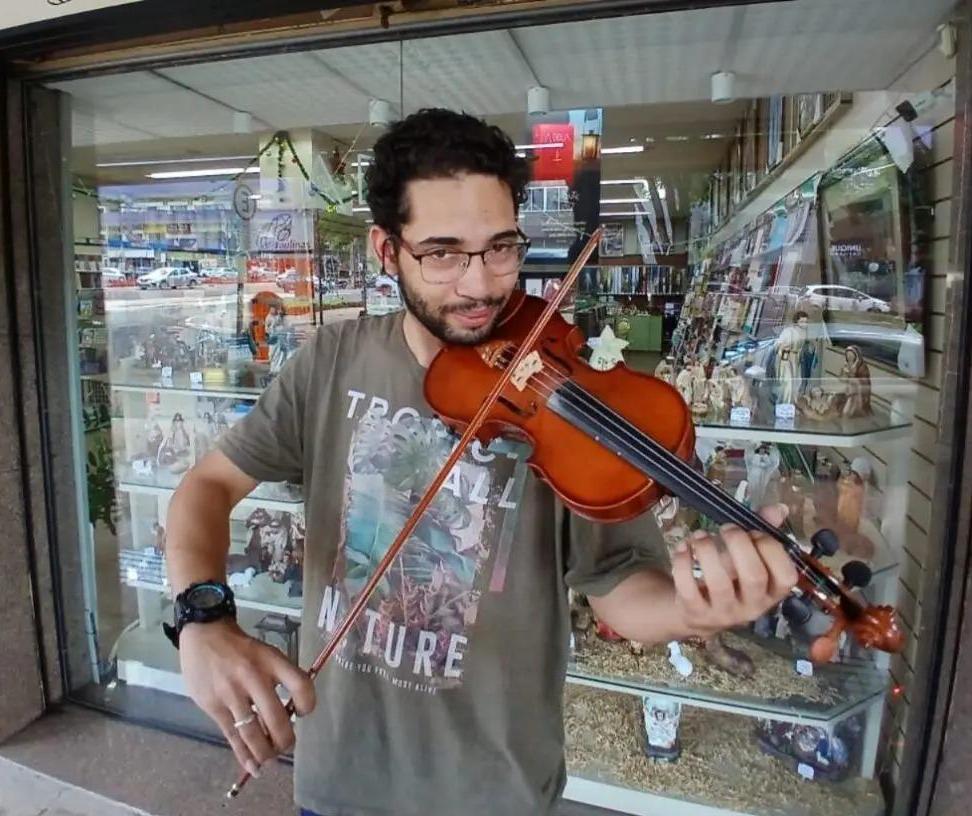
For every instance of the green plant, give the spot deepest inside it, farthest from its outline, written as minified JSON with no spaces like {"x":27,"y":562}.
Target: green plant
{"x":102,"y":499}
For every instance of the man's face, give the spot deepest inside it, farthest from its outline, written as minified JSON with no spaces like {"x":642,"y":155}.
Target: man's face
{"x":469,"y":213}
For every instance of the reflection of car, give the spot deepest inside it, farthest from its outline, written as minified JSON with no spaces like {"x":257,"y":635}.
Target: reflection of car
{"x":843,"y":299}
{"x":218,"y":273}
{"x":168,"y":277}
{"x":112,"y":276}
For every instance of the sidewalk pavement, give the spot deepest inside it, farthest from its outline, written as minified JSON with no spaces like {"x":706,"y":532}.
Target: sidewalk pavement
{"x":25,"y":792}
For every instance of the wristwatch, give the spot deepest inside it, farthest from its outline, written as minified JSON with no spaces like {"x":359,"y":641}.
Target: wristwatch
{"x":202,"y":602}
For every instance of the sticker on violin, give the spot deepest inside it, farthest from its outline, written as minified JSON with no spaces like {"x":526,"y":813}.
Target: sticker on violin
{"x":607,"y":349}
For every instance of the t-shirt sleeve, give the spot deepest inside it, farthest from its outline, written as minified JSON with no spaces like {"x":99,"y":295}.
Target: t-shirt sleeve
{"x":601,"y":556}
{"x":267,"y":443}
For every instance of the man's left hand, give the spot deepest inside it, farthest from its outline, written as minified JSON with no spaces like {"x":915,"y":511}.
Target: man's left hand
{"x":751,"y":576}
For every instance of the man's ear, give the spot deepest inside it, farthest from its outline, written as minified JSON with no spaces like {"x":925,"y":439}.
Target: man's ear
{"x":384,"y":249}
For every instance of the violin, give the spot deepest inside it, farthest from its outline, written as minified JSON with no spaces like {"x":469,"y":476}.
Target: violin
{"x":610,"y":444}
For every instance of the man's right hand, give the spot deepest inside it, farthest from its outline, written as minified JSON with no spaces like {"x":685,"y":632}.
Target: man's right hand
{"x":228,"y":674}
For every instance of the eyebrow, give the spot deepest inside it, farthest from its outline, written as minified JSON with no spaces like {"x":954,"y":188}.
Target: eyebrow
{"x":449,"y":240}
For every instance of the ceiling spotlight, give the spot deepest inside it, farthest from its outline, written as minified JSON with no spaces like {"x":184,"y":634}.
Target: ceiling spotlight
{"x":538,"y":100}
{"x":723,"y":87}
{"x":624,"y":149}
{"x":379,"y":113}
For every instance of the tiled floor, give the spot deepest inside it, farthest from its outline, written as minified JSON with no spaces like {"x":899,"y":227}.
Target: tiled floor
{"x":26,"y":792}
{"x":50,"y":768}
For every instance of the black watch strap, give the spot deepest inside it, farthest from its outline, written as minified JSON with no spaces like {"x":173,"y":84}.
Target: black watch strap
{"x":186,"y":611}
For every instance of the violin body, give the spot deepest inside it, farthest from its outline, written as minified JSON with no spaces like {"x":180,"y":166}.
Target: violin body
{"x":590,"y":479}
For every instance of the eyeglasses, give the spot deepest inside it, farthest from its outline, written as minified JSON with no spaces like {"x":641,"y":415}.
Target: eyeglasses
{"x":502,"y":258}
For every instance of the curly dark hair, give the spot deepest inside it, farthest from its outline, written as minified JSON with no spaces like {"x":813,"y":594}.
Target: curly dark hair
{"x":438,"y":143}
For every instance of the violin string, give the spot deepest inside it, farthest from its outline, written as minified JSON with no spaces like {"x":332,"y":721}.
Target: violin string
{"x":652,"y":451}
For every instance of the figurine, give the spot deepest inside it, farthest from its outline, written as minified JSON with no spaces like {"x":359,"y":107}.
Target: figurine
{"x":739,"y":393}
{"x":718,"y":392}
{"x":700,"y":392}
{"x":850,"y":499}
{"x":762,"y":469}
{"x":857,"y":384}
{"x":661,"y":718}
{"x":817,"y":404}
{"x":158,"y":533}
{"x":808,"y":364}
{"x":683,"y":382}
{"x":665,"y":370}
{"x":178,"y":436}
{"x":717,"y":468}
{"x":788,"y":347}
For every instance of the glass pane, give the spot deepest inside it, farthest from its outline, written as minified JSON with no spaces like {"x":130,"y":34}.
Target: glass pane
{"x":775,"y":245}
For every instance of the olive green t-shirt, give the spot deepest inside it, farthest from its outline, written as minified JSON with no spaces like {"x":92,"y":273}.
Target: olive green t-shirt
{"x":445,"y":700}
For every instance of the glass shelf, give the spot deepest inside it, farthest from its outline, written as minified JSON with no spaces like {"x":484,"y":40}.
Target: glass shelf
{"x":145,"y":379}
{"x":775,"y":691}
{"x":836,"y":433}
{"x":276,"y":495}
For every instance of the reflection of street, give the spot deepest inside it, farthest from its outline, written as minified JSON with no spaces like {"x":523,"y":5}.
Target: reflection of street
{"x":212,"y":307}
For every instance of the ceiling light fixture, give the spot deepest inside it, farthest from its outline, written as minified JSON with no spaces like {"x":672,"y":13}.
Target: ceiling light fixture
{"x":172,"y":161}
{"x":621,"y":200}
{"x":224,"y":171}
{"x":539,"y":146}
{"x":723,"y":87}
{"x":538,"y":100}
{"x":624,"y":149}
{"x":623,"y":181}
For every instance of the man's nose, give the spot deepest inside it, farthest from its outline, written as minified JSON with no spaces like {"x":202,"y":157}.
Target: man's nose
{"x":476,"y":281}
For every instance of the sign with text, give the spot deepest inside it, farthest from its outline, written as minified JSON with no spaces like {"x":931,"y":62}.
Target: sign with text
{"x":24,"y":12}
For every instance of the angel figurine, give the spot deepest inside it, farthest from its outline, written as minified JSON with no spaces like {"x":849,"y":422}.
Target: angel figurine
{"x":762,"y":469}
{"x":856,"y":377}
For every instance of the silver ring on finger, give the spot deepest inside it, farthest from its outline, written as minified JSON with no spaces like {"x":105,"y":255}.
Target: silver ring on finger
{"x":245,"y":721}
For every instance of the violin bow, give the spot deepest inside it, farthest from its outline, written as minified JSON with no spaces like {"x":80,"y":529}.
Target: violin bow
{"x":358,"y":607}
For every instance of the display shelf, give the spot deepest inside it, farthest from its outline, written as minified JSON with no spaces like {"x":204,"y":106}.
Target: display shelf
{"x":262,"y":595}
{"x":144,"y":657}
{"x":721,"y":771}
{"x":141,"y":380}
{"x":775,"y":690}
{"x":837,"y":433}
{"x":270,"y":495}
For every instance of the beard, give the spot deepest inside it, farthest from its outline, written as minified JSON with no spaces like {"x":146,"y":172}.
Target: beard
{"x":435,"y":319}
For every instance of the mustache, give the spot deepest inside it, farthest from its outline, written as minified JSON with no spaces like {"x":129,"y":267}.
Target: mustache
{"x":472,"y":306}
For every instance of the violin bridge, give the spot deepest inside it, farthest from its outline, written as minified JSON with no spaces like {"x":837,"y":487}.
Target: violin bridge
{"x":530,"y":365}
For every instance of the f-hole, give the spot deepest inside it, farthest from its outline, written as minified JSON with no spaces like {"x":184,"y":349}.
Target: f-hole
{"x":516,"y":409}
{"x":567,"y":368}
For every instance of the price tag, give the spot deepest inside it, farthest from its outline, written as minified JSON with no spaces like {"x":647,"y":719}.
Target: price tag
{"x":166,"y":372}
{"x":804,"y":668}
{"x":806,"y":771}
{"x":195,"y":379}
{"x":785,"y":410}
{"x":740,"y":415}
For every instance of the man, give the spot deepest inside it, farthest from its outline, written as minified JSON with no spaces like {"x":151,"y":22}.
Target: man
{"x":446,"y":699}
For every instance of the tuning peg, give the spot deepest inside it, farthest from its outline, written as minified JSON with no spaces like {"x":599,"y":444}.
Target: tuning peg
{"x":856,"y":574}
{"x":797,"y":611}
{"x":824,"y":542}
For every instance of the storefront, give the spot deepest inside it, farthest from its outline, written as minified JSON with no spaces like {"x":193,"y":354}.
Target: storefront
{"x":783,"y":193}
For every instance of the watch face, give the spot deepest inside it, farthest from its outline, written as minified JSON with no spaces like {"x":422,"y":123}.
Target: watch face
{"x":205,"y":597}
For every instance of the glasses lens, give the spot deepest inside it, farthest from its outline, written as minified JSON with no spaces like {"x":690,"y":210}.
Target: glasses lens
{"x":442,"y":266}
{"x":505,"y":259}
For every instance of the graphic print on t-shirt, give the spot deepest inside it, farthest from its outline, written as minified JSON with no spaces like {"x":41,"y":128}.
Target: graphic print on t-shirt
{"x":420,"y":622}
